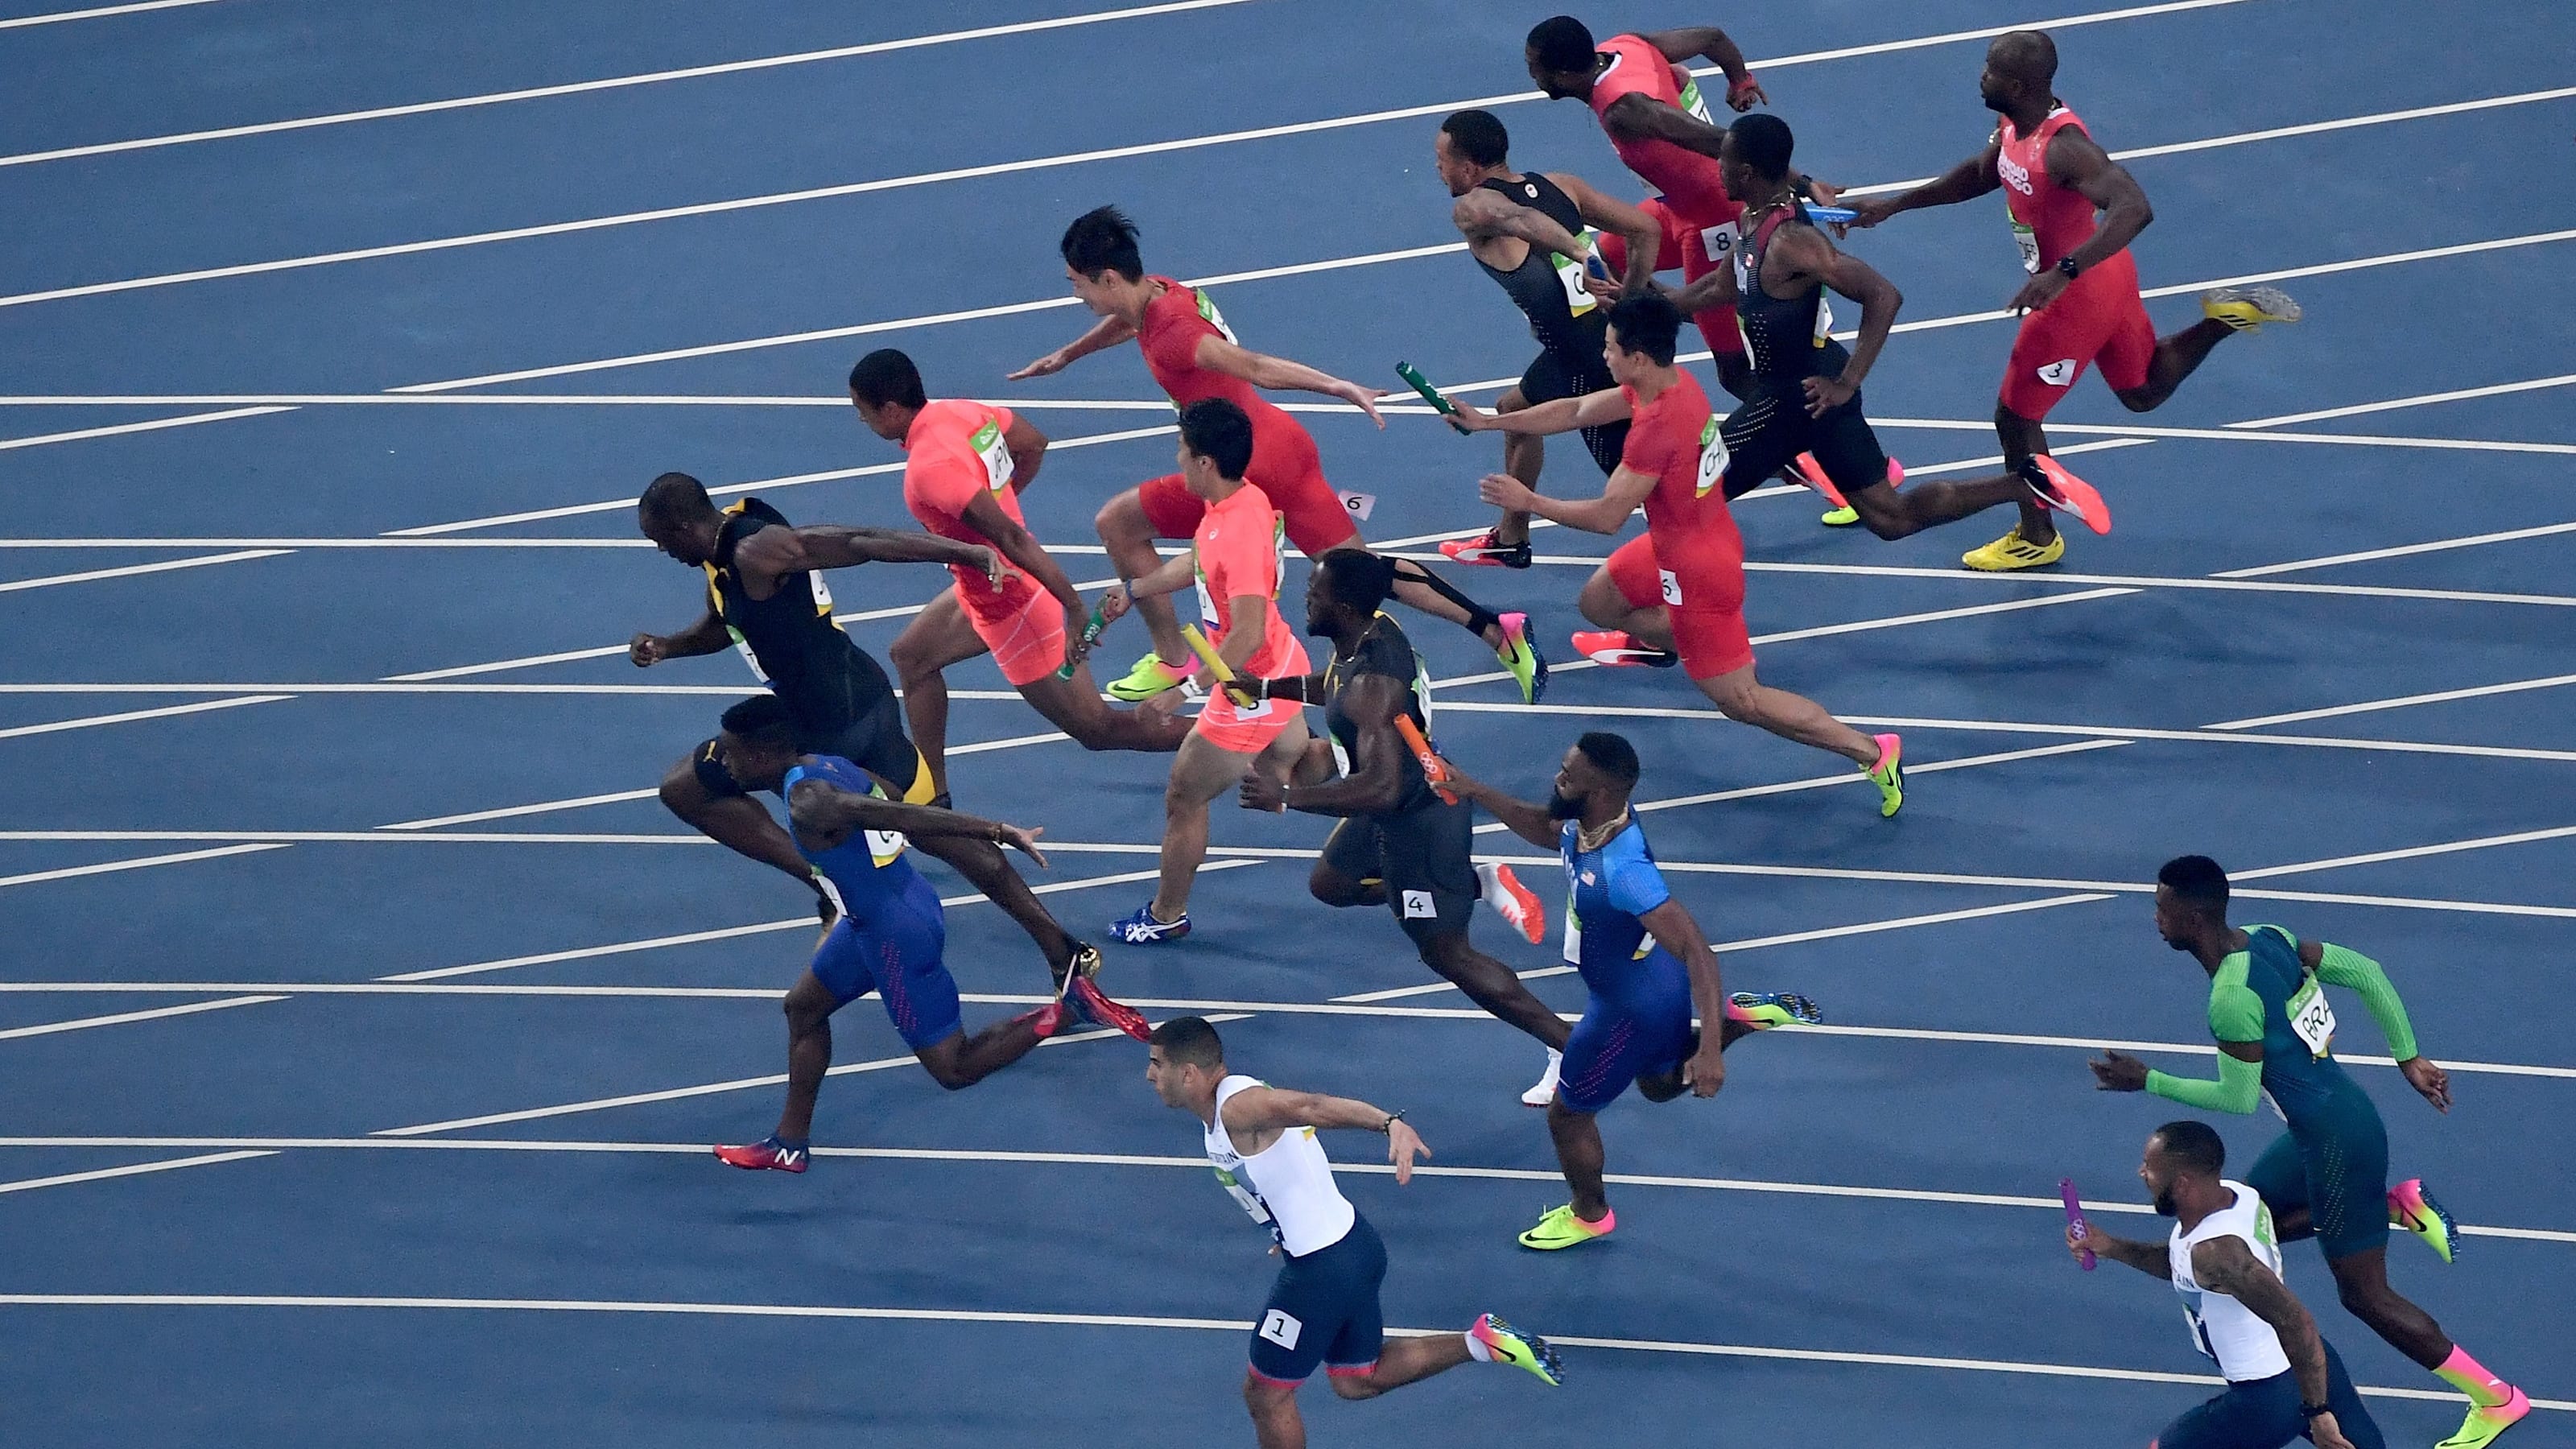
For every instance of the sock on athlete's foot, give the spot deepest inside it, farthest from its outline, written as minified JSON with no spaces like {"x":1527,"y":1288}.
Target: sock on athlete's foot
{"x":1476,"y":1348}
{"x":2468,"y":1376}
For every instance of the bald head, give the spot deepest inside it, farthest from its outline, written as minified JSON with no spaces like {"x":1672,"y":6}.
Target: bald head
{"x":2020,"y":73}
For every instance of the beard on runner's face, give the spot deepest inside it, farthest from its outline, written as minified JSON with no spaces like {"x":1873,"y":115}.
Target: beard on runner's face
{"x":1561,"y":806}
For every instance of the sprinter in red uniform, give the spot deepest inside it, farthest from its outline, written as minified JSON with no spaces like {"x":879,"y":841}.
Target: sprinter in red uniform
{"x":2081,"y":305}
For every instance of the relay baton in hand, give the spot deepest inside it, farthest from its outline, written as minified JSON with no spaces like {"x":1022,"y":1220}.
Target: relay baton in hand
{"x":1432,"y":770}
{"x":1430,"y":394}
{"x":1224,"y":672}
{"x":1090,"y":636}
{"x":2074,"y":1214}
{"x":1825,"y":215}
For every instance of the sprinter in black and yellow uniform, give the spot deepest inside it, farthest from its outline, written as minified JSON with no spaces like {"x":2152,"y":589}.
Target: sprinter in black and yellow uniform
{"x":766,"y":597}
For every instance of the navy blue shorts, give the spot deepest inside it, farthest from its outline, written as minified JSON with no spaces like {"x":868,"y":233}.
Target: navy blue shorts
{"x":2338,"y":1171}
{"x":1323,"y":1310}
{"x":1613,"y":1046}
{"x":2264,"y":1414}
{"x":896,"y":953}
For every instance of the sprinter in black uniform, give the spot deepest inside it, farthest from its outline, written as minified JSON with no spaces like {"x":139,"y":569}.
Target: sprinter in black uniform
{"x":1398,"y":844}
{"x":1533,"y":233}
{"x":1805,"y":393}
{"x":765,"y":596}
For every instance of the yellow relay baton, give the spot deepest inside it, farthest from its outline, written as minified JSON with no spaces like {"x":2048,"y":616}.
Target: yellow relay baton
{"x":1234,"y":688}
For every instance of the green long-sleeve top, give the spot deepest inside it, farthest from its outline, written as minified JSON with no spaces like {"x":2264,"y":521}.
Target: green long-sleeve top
{"x":2264,"y":993}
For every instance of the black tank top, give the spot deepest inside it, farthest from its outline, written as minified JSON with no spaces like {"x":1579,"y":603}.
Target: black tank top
{"x":1383,"y":650}
{"x":789,"y":637}
{"x":1786,"y":336}
{"x":1545,"y":285}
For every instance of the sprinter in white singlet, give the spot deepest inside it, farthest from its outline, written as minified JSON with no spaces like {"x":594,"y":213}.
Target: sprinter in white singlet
{"x":2284,"y":1381}
{"x":1324,"y":1307}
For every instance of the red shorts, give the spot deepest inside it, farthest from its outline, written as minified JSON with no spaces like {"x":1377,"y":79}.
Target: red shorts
{"x":1288,"y":473}
{"x":2097,"y":319}
{"x":1245,"y":732}
{"x":1687,"y":246}
{"x":1708,"y":619}
{"x":1028,"y":644}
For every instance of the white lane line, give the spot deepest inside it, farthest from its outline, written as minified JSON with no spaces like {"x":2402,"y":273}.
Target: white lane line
{"x":1765,"y":1186}
{"x":67,"y":1179}
{"x":369,"y":542}
{"x":2420,"y":399}
{"x":98,"y":12}
{"x":674,"y":1094}
{"x":131,"y":570}
{"x":1854,"y":777}
{"x":2143,"y":581}
{"x":122,"y":1017}
{"x":2412,"y":852}
{"x":532,"y":93}
{"x":2402,"y":702}
{"x":121,"y":429}
{"x":2409,"y":550}
{"x":930,"y":178}
{"x":145,"y":862}
{"x":792,"y":923}
{"x":1112,"y":1320}
{"x":394,"y":687}
{"x":130,"y":716}
{"x":614,"y":797}
{"x":2222,"y":435}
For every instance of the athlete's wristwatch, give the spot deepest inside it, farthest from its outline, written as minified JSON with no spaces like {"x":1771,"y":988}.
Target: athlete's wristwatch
{"x":1391,"y":1119}
{"x":2066,"y":264}
{"x":2315,"y":1410}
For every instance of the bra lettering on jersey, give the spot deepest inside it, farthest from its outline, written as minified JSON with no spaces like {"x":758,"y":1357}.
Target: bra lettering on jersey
{"x":1570,"y":271}
{"x":2312,"y":1018}
{"x":988,"y":444}
{"x":1712,"y":465}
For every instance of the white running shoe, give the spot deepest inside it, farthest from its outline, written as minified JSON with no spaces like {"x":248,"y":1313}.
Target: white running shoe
{"x":1545,"y":1092}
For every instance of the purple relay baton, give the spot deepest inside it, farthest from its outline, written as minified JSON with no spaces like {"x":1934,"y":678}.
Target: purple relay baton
{"x":2074,"y":1214}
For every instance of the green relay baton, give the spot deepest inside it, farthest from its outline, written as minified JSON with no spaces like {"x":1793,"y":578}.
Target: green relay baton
{"x":1430,"y":394}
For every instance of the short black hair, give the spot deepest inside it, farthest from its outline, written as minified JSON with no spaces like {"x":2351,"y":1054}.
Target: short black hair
{"x":2029,"y":54}
{"x":1647,"y":323}
{"x":763,"y":716}
{"x":2194,"y":1144}
{"x":1477,"y":136}
{"x":674,"y":498}
{"x":1102,"y":240}
{"x":1762,"y":141}
{"x":1613,"y":754}
{"x":2197,"y":879}
{"x":1189,"y":1041}
{"x":887,"y":376}
{"x":1359,"y":578}
{"x":1562,"y":43}
{"x":1217,"y":430}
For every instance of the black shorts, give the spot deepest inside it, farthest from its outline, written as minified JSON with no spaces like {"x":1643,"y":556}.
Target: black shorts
{"x":1324,"y":1310}
{"x":1551,"y":376}
{"x":875,"y":742}
{"x":2264,"y":1414}
{"x":1764,"y":434}
{"x":1422,"y":856}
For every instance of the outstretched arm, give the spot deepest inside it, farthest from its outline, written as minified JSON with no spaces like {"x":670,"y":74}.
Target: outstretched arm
{"x":1966,"y":181}
{"x":1263,"y":370}
{"x":1106,"y":333}
{"x":1608,"y":513}
{"x":820,"y":809}
{"x":1269,"y":1110}
{"x":777,"y":551}
{"x":1564,"y":415}
{"x":707,"y":636}
{"x":1530,"y":822}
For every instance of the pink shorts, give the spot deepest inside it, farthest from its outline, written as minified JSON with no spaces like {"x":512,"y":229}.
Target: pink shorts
{"x":1029,"y":644}
{"x":1229,"y":727}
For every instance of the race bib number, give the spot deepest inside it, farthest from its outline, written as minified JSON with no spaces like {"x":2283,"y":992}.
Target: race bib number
{"x":1281,"y":1329}
{"x":1215,"y":318}
{"x":1693,"y":101}
{"x":1672,"y":587}
{"x":1573,"y":933}
{"x":2028,"y":241}
{"x":1824,"y":318}
{"x":1341,"y":758}
{"x":1712,"y":466}
{"x":2312,"y":1017}
{"x":1571,"y":274}
{"x":996,"y":453}
{"x":883,"y":845}
{"x":1359,"y":505}
{"x":1207,"y":601}
{"x":1719,"y":242}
